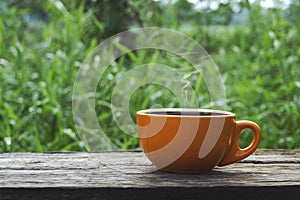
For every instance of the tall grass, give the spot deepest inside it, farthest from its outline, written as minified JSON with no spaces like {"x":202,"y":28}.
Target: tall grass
{"x":38,"y":64}
{"x":39,"y":60}
{"x":261,"y":66}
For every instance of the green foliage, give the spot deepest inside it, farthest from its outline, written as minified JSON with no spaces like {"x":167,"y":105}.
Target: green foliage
{"x":262,"y":76}
{"x":42,"y":46}
{"x":38,"y":64}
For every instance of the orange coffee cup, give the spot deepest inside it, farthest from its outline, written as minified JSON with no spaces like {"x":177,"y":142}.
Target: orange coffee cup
{"x":193,"y":140}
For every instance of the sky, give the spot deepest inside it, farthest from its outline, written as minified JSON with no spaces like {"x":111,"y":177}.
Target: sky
{"x":213,"y":4}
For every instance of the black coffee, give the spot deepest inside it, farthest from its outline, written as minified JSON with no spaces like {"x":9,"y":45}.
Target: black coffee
{"x":187,"y":113}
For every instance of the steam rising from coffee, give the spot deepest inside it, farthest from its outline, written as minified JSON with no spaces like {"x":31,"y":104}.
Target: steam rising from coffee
{"x":93,"y":67}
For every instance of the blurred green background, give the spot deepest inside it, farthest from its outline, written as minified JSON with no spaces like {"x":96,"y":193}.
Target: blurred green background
{"x":255,"y":44}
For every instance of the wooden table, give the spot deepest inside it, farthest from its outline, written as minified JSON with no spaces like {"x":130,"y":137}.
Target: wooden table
{"x":267,"y":174}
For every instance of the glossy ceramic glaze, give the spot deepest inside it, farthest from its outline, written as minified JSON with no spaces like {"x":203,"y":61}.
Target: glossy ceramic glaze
{"x":193,"y":140}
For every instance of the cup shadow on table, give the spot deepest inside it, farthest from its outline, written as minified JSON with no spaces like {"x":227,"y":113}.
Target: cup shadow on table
{"x":214,"y":172}
{"x":169,"y":178}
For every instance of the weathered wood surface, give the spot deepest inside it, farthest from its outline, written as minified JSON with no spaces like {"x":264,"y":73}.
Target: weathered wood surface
{"x":273,"y":174}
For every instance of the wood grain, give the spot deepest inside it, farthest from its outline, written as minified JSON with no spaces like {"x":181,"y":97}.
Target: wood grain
{"x":128,"y":174}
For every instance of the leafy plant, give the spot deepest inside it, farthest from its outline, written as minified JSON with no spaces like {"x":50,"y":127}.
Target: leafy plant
{"x":43,"y":45}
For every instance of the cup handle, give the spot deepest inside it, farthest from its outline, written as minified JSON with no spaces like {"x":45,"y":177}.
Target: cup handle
{"x":235,"y":153}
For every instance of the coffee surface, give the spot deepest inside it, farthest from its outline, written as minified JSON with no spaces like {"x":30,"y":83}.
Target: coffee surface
{"x":186,"y":113}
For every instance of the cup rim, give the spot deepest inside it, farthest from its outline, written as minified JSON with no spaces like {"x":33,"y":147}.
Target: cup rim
{"x":224,"y":114}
